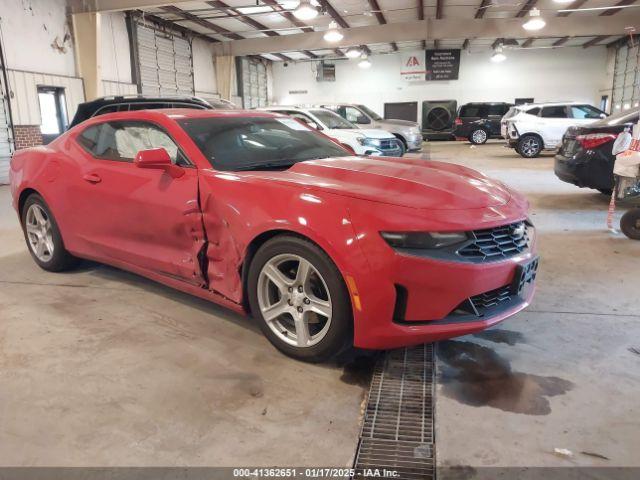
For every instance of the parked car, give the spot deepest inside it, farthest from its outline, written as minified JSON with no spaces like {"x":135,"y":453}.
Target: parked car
{"x":408,"y":132}
{"x":362,"y":141}
{"x":585,"y":157}
{"x":532,"y":128}
{"x":260,"y":213}
{"x":480,"y":121}
{"x":125,"y":103}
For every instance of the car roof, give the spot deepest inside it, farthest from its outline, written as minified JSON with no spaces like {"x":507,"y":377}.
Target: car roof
{"x":550,"y":104}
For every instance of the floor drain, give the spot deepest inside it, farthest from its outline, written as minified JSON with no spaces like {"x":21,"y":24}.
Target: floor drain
{"x":397,"y":433}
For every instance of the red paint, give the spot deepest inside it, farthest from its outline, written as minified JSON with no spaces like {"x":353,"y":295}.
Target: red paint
{"x":158,"y":224}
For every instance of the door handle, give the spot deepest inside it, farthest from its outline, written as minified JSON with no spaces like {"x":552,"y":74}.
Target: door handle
{"x":92,"y":178}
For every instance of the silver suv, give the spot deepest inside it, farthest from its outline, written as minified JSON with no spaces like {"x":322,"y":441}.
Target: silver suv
{"x":408,"y":132}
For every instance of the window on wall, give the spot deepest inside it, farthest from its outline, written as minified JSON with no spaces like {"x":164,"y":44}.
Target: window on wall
{"x":53,"y":112}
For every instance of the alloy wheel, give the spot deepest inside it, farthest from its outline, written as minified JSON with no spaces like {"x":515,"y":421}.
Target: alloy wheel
{"x":530,"y":146}
{"x":39,"y":233}
{"x":294,"y":300}
{"x":479,"y":136}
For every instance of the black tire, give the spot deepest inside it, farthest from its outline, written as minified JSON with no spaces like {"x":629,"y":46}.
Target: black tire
{"x":403,"y":144}
{"x":403,"y":147}
{"x":339,"y":336}
{"x":479,"y":136}
{"x":61,"y":259}
{"x":529,"y":146}
{"x":630,"y":224}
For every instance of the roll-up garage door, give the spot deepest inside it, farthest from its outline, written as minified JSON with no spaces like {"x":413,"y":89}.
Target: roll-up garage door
{"x":165,"y":63}
{"x":254,"y":83}
{"x":5,"y":134}
{"x":626,"y":79}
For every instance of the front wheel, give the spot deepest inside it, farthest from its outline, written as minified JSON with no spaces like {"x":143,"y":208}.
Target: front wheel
{"x":299,"y":299}
{"x":630,"y":224}
{"x":529,"y":146}
{"x":479,"y":136}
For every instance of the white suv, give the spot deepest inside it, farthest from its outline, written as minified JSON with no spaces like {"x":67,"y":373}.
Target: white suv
{"x":532,"y":128}
{"x":368,"y":141}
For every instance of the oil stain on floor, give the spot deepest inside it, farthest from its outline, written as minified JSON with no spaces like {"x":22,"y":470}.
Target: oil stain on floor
{"x":476,"y":375}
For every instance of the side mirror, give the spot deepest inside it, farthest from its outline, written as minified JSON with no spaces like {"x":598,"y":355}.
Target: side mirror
{"x":603,"y":115}
{"x":363,"y":120}
{"x":158,"y":159}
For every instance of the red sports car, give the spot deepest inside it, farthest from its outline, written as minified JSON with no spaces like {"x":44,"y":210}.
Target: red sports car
{"x":262,"y":214}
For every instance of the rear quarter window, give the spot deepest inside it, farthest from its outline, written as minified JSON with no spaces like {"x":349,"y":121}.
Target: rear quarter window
{"x":473,"y":111}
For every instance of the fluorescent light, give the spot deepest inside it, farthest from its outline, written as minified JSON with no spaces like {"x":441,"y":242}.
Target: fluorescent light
{"x":364,"y":63}
{"x":256,"y":9}
{"x":305,"y":11}
{"x":535,"y":22}
{"x":498,"y":56}
{"x":333,"y":34}
{"x":353,"y":53}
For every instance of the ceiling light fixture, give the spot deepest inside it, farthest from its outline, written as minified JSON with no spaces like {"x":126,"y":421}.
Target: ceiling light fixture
{"x":498,"y":56}
{"x":305,"y":11}
{"x":333,"y":34}
{"x":364,"y":62}
{"x":535,"y":22}
{"x":353,"y":52}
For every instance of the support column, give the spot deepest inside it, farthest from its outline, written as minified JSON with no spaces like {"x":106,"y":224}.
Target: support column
{"x":224,"y":66}
{"x":88,"y":50}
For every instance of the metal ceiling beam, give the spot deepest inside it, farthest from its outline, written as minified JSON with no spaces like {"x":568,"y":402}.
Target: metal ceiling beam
{"x":333,"y":13}
{"x":560,"y":42}
{"x":482,"y":9}
{"x":613,"y":11}
{"x":434,"y":29}
{"x":465,"y":44}
{"x":85,"y":6}
{"x":421,"y":17}
{"x":375,"y":6}
{"x":526,"y":7}
{"x":528,"y":42}
{"x":236,"y":14}
{"x":439,"y":10}
{"x":594,"y":41}
{"x":575,"y":4}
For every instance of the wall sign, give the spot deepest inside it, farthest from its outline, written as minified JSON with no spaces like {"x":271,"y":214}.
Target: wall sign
{"x":412,"y":69}
{"x":442,"y":64}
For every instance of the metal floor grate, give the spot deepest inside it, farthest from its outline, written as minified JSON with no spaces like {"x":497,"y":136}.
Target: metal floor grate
{"x":397,"y":433}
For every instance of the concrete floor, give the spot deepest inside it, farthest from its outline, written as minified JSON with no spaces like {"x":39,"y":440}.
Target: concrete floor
{"x":100,"y":367}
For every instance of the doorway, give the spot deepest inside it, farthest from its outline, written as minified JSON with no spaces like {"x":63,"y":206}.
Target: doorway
{"x":53,"y":113}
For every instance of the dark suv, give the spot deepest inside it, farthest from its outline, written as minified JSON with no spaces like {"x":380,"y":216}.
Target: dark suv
{"x":124,"y":103}
{"x":478,"y":122}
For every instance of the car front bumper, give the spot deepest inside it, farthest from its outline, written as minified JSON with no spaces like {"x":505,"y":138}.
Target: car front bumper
{"x":414,"y":142}
{"x":411,"y":300}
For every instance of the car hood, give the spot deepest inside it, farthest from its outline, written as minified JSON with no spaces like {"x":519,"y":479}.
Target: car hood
{"x":395,"y":181}
{"x":376,"y":133}
{"x":400,"y":123}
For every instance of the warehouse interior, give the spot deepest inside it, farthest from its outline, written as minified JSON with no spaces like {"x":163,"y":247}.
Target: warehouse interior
{"x":102,"y":367}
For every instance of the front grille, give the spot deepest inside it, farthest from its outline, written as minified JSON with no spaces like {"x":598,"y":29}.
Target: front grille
{"x":391,"y":144}
{"x":492,"y":298}
{"x":498,"y":243}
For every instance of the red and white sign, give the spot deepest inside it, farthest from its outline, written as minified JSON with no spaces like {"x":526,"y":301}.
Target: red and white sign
{"x":413,"y":69}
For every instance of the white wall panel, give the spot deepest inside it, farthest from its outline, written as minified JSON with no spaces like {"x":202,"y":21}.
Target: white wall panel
{"x":110,"y":88}
{"x":23,"y":93}
{"x":204,"y":74}
{"x":116,"y":56}
{"x":563,"y":74}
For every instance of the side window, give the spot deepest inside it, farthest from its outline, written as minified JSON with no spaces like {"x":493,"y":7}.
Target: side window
{"x":471,"y":110}
{"x":121,"y":141}
{"x":534,"y":111}
{"x":497,"y":110}
{"x":585,"y":112}
{"x":305,"y":119}
{"x":352,"y":114}
{"x":554,"y":112}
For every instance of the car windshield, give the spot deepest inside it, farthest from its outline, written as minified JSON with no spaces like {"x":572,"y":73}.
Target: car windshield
{"x":370,"y":112}
{"x":257,"y":143}
{"x":618,"y":118}
{"x":332,"y":120}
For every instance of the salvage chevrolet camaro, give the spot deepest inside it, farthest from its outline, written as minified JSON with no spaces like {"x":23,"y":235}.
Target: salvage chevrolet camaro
{"x":262,"y":214}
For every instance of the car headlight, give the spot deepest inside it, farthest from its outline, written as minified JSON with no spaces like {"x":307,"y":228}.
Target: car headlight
{"x":372,"y":142}
{"x":360,"y":140}
{"x":423,"y":240}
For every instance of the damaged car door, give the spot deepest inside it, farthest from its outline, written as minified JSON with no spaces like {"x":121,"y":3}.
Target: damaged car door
{"x":134,"y":213}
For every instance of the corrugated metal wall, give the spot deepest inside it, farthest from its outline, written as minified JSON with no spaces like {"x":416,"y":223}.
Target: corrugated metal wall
{"x":626,"y":86}
{"x":165,"y":62}
{"x":5,"y":133}
{"x":23,"y":88}
{"x":254,"y":83}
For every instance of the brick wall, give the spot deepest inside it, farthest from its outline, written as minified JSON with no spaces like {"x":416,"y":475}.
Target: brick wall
{"x":27,"y":136}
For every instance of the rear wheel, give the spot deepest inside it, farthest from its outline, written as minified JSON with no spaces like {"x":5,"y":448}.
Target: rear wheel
{"x":529,"y":146}
{"x":479,"y":136}
{"x":630,"y":224}
{"x":43,"y":236}
{"x":299,"y":299}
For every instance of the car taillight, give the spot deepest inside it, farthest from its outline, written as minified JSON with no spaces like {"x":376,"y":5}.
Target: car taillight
{"x":593,"y":140}
{"x":458,"y":121}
